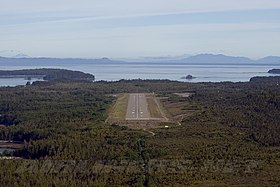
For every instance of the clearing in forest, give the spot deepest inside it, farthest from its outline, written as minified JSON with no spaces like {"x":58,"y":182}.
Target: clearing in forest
{"x":140,"y":108}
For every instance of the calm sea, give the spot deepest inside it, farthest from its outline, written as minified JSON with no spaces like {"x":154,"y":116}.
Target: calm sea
{"x":114,"y":72}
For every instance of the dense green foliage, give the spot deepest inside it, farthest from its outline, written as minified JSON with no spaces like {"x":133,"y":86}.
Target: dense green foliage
{"x":229,"y":135}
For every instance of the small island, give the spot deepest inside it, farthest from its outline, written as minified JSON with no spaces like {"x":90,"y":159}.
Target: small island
{"x":189,"y":77}
{"x":47,"y":74}
{"x":274,"y":71}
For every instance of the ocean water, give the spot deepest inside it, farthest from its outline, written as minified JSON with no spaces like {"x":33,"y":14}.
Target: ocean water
{"x":114,"y":72}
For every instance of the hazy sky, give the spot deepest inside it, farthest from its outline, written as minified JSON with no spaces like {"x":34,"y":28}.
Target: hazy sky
{"x":130,"y":28}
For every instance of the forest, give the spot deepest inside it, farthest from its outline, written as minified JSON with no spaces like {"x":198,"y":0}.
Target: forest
{"x":228,"y":135}
{"x":274,"y":71}
{"x":47,"y":74}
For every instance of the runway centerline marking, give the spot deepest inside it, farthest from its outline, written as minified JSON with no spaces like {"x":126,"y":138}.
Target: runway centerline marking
{"x":137,"y":108}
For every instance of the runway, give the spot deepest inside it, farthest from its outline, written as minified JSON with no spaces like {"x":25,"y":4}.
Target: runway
{"x":137,"y":108}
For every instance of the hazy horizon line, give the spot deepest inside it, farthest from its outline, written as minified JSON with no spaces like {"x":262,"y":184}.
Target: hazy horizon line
{"x":186,"y":55}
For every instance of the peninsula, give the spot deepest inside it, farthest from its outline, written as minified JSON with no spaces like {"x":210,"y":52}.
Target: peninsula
{"x":47,"y":74}
{"x":274,"y":71}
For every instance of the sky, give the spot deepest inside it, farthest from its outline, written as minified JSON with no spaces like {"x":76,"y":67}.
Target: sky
{"x":135,"y":29}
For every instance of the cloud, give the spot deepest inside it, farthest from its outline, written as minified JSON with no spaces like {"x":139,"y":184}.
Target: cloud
{"x":121,"y":13}
{"x":145,"y":41}
{"x":259,"y":16}
{"x":130,"y":7}
{"x":120,"y":28}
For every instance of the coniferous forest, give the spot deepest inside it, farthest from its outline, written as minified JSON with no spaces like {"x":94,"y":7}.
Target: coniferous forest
{"x":228,"y":135}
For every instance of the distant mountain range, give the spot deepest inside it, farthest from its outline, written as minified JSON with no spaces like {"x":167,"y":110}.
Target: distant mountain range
{"x":156,"y":59}
{"x":21,"y":56}
{"x":13,"y":54}
{"x":197,"y":59}
{"x":223,"y":59}
{"x":216,"y":59}
{"x":43,"y":61}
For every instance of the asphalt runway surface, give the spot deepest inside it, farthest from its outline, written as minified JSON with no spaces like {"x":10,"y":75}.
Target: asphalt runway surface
{"x":137,"y":107}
